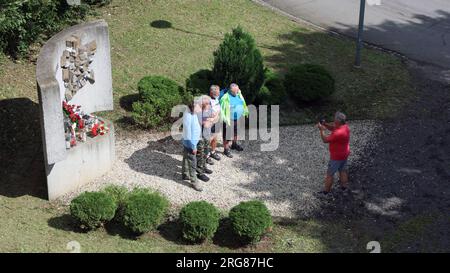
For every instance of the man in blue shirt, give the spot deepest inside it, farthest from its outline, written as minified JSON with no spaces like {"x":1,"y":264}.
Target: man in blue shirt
{"x":233,"y":107}
{"x":191,"y":137}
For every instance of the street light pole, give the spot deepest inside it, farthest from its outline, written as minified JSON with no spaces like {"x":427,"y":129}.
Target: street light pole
{"x":359,"y":41}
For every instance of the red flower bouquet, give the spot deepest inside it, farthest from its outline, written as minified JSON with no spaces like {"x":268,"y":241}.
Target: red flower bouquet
{"x":79,"y":124}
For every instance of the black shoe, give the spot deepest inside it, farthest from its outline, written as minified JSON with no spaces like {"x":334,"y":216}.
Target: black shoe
{"x":344,"y":190}
{"x":203,"y":177}
{"x":215,"y":156}
{"x":236,"y":147}
{"x":209,"y":161}
{"x":227,"y":153}
{"x":207,"y":171}
{"x":185,"y":177}
{"x":323,"y":194}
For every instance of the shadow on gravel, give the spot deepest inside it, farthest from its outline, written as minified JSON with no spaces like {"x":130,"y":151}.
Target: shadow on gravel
{"x":22,"y":170}
{"x":400,"y":179}
{"x":156,"y":159}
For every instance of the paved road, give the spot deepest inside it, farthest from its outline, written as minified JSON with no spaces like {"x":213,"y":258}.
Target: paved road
{"x":418,"y":29}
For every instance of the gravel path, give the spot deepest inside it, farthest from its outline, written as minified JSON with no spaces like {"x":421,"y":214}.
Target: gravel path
{"x":285,"y":179}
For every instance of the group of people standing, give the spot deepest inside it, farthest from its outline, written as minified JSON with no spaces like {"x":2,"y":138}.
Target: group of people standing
{"x":209,"y":116}
{"x":203,"y":122}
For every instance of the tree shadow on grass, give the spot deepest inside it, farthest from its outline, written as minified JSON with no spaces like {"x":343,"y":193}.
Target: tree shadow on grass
{"x":126,"y":102}
{"x":116,"y":228}
{"x":225,"y":237}
{"x":65,"y":222}
{"x":22,"y":169}
{"x":164,"y":24}
{"x":171,"y":231}
{"x":127,"y":123}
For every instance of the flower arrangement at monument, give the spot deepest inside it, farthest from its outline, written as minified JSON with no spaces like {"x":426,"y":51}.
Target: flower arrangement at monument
{"x":78,"y":125}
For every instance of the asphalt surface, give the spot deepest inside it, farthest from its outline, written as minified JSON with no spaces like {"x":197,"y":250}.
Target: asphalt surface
{"x":417,"y":29}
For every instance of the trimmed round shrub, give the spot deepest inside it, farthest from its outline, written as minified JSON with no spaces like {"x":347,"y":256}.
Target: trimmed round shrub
{"x":93,"y":209}
{"x":199,"y":82}
{"x":157,"y":96}
{"x":273,"y":91}
{"x":119,"y":194}
{"x":309,"y":82}
{"x":199,"y":220}
{"x":238,"y":60}
{"x":144,"y":211}
{"x":250,"y":220}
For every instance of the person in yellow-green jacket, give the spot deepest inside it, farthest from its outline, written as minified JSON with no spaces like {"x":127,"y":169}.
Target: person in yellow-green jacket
{"x":233,"y":107}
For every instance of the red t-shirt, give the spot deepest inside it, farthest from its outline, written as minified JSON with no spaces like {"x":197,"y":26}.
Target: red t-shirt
{"x":339,"y":143}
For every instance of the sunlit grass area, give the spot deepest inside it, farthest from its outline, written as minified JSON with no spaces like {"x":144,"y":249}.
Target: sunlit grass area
{"x":29,"y":224}
{"x":196,"y":29}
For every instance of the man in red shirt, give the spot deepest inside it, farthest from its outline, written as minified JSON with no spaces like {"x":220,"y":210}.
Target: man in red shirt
{"x":339,"y":146}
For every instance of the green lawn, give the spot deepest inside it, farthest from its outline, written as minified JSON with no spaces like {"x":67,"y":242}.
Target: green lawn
{"x":31,"y":224}
{"x":138,"y":49}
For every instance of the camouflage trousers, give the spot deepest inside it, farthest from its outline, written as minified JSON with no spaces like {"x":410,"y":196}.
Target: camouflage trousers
{"x":189,"y":165}
{"x":202,"y":155}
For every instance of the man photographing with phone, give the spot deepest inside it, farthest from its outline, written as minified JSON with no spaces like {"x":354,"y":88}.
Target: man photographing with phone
{"x":339,"y":147}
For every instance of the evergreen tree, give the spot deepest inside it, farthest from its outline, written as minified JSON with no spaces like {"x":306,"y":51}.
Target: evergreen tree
{"x":238,"y":60}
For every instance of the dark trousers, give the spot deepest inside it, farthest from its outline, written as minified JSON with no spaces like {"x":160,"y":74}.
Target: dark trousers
{"x":189,"y":165}
{"x":229,"y":131}
{"x":202,"y":155}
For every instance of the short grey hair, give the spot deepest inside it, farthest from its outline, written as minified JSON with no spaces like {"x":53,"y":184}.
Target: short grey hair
{"x":341,"y":117}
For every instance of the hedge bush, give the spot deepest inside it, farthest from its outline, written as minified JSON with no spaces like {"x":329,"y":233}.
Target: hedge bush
{"x":199,"y":221}
{"x":199,"y":82}
{"x":157,"y":96}
{"x":238,"y":60}
{"x":309,"y":82}
{"x":144,"y":211}
{"x":273,"y":91}
{"x":93,"y":209}
{"x":23,"y":23}
{"x":250,"y":220}
{"x":119,"y":194}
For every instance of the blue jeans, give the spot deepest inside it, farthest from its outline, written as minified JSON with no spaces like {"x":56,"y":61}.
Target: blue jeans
{"x":336,"y":166}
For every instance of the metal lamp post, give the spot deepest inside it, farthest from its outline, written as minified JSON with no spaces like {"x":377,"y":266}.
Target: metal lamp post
{"x":359,"y":41}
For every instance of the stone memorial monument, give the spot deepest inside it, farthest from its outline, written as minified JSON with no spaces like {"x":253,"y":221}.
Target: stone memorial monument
{"x":74,"y":68}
